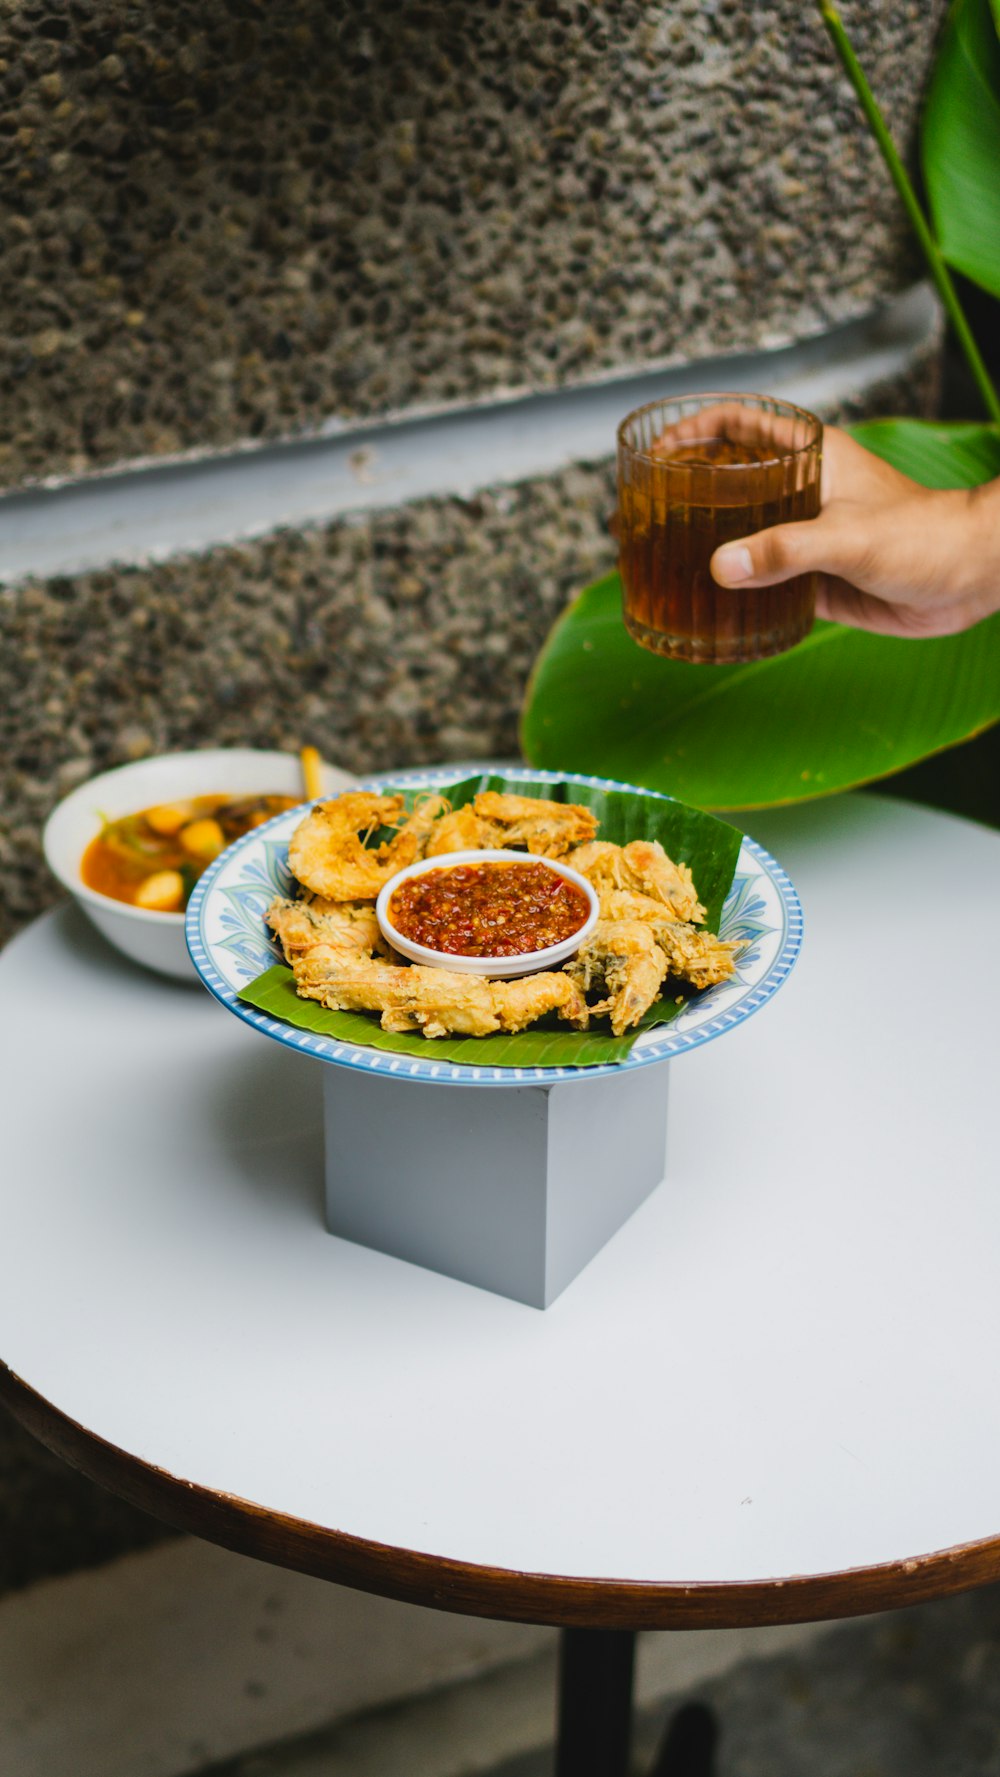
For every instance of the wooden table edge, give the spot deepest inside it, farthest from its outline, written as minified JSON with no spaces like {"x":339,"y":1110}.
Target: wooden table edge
{"x":445,"y":1584}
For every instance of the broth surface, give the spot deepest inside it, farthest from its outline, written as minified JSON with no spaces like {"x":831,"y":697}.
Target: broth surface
{"x":153,"y":859}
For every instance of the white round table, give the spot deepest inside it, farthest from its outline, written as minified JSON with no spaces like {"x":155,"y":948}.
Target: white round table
{"x":770,"y":1398}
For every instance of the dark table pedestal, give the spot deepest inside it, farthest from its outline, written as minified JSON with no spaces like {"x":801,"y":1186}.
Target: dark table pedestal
{"x":595,"y":1713}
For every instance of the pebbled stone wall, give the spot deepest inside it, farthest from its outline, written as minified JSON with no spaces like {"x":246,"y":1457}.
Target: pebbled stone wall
{"x":229,"y":220}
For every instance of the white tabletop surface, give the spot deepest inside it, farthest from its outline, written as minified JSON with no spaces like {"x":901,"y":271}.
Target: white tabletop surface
{"x":784,"y":1364}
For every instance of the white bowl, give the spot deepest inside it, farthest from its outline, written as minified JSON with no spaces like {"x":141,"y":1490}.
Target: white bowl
{"x":497,"y":966}
{"x":157,"y":939}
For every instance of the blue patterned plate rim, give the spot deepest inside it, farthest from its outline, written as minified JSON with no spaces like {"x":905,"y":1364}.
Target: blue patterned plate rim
{"x":774,"y":945}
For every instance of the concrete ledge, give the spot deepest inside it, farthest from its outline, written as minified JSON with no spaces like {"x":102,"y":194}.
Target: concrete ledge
{"x":225,"y":224}
{"x":147,"y":513}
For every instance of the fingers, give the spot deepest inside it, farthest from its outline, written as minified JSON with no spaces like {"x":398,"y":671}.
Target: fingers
{"x":778,"y":554}
{"x":892,"y":556}
{"x":900,"y":573}
{"x":739,"y":422}
{"x":853,"y":473}
{"x":841,"y":602}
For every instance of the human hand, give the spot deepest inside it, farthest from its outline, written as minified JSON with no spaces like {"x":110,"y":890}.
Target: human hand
{"x":892,"y":556}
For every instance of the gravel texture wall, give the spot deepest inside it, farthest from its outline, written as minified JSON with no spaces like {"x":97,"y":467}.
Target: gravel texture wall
{"x":229,"y":220}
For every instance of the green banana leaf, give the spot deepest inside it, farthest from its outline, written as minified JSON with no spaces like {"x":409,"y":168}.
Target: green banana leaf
{"x":711,"y":847}
{"x":961,"y":142}
{"x":938,"y":453}
{"x":843,"y":708}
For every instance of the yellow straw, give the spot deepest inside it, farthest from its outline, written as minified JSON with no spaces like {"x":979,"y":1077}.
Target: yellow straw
{"x":312,"y":766}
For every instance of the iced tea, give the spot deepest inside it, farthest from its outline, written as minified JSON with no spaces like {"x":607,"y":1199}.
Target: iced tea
{"x":695,"y":473}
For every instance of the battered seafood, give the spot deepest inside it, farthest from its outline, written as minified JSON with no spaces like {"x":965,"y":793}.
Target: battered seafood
{"x":651,"y":929}
{"x":304,"y":926}
{"x":439,"y":1002}
{"x":622,"y":959}
{"x":493,"y":821}
{"x":695,"y":956}
{"x":643,"y":867}
{"x":328,"y":854}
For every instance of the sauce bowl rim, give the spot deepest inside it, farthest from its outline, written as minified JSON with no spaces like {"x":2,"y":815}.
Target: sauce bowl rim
{"x":526,"y":962}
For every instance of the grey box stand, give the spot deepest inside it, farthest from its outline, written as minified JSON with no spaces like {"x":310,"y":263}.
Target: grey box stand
{"x":513,"y":1188}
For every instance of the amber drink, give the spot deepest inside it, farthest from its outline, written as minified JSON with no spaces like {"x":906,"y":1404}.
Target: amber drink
{"x":694,"y":473}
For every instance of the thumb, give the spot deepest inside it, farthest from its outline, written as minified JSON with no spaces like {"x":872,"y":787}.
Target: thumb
{"x":773,"y":555}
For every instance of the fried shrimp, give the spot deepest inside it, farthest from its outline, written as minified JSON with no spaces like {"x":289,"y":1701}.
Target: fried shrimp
{"x":303,"y":926}
{"x":696,"y":956}
{"x":438,"y":1002}
{"x":659,"y":877}
{"x":622,"y":958}
{"x":327,"y":851}
{"x":525,"y":823}
{"x":462,"y":830}
{"x":644,"y":868}
{"x":650,"y":931}
{"x":519,"y":1002}
{"x":549,"y":829}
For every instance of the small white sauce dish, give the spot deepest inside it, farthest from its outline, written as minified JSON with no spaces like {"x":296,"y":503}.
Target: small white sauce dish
{"x":498,"y":967}
{"x":157,"y":939}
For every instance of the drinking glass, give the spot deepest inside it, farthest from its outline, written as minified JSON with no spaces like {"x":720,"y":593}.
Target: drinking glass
{"x":696,"y":472}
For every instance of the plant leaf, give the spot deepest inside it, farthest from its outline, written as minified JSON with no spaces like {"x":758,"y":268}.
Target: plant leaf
{"x":710,"y":846}
{"x":843,"y":708}
{"x":934,"y":452}
{"x":930,"y":248}
{"x":961,"y":142}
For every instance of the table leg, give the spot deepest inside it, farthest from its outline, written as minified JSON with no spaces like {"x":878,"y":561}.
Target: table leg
{"x":595,"y":1702}
{"x":595,"y":1713}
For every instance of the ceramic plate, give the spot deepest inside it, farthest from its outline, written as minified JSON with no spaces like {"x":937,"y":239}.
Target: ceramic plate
{"x":230,"y":945}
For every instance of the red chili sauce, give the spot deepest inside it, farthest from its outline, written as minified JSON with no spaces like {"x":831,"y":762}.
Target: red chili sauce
{"x":488,"y":909}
